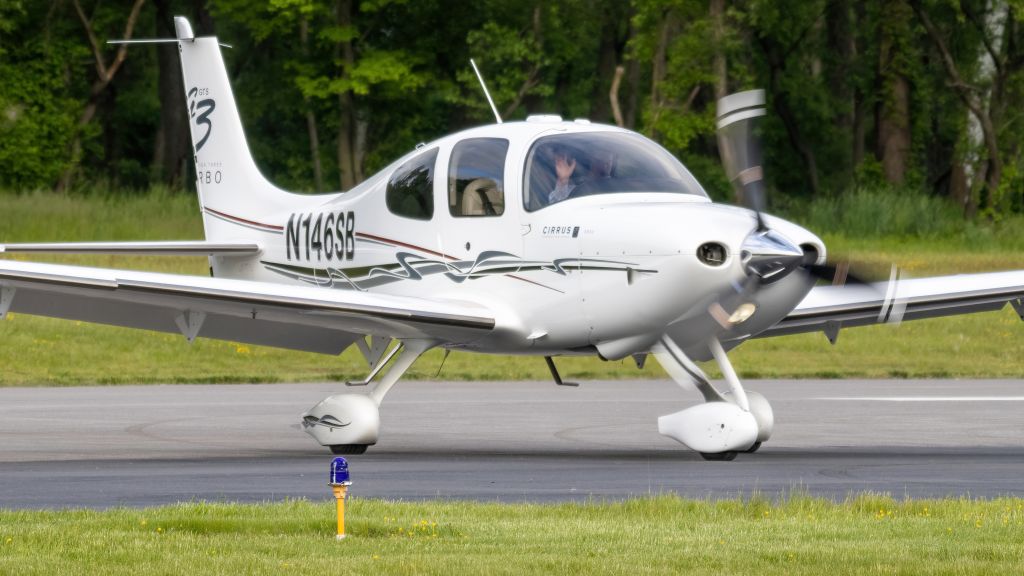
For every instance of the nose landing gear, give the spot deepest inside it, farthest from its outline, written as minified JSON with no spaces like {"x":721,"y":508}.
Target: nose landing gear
{"x":727,"y":423}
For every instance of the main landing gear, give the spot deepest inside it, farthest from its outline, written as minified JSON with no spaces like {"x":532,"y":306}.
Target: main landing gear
{"x":727,"y":423}
{"x":349,"y":423}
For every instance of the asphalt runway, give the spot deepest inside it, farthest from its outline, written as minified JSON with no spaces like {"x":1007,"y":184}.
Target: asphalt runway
{"x":100,"y":447}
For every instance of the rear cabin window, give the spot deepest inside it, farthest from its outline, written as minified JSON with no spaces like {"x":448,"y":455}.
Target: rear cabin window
{"x":410,"y":190}
{"x":476,"y":184}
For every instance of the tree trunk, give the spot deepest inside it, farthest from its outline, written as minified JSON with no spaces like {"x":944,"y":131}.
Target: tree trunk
{"x":105,"y":73}
{"x":960,"y":192}
{"x":311,"y":128}
{"x":613,"y":96}
{"x":858,"y":95}
{"x":112,"y":145}
{"x":204,"y":20}
{"x":840,"y":41}
{"x":346,"y":148}
{"x":171,"y":148}
{"x":314,"y":149}
{"x":780,"y":101}
{"x":894,"y":130}
{"x":992,"y":169}
{"x":719,"y":64}
{"x":533,"y":74}
{"x":658,"y":71}
{"x":633,"y":76}
{"x":346,"y":113}
{"x":991,"y":71}
{"x":359,"y":154}
{"x":600,"y":108}
{"x":893,"y":145}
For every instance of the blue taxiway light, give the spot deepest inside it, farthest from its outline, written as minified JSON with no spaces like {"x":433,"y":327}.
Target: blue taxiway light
{"x":339,"y":472}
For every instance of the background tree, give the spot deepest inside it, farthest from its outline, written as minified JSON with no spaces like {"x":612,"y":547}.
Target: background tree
{"x":106,"y":69}
{"x":916,"y":96}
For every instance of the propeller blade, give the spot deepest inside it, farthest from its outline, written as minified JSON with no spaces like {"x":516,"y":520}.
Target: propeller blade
{"x":837,"y":274}
{"x":739,"y":145}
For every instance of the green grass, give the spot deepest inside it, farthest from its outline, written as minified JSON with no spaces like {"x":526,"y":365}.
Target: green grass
{"x":42,"y":351}
{"x":48,"y":217}
{"x":660,"y":535}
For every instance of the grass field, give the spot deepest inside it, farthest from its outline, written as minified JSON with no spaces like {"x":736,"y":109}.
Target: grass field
{"x":658,"y":535}
{"x":41,"y":351}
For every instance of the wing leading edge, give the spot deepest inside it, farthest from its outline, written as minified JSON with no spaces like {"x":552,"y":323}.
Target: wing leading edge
{"x":294,"y":317}
{"x":829,"y":308}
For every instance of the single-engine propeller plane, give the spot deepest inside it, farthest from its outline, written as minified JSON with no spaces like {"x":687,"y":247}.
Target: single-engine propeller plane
{"x":545,"y":237}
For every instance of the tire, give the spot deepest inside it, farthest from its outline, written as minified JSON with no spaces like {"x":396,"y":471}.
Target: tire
{"x":347,"y":449}
{"x":754,"y":448}
{"x":719,"y":456}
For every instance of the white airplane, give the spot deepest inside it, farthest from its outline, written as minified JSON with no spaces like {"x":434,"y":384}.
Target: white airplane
{"x":544,"y":238}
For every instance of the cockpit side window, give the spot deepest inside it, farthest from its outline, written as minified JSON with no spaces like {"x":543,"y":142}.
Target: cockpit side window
{"x":476,"y":177}
{"x":565,"y":166}
{"x":410,"y":191}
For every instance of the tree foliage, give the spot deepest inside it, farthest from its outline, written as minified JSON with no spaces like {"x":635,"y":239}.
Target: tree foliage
{"x":918,"y":95}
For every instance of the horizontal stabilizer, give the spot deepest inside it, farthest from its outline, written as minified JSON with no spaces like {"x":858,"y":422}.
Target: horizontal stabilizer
{"x":146,"y":41}
{"x":174,"y":248}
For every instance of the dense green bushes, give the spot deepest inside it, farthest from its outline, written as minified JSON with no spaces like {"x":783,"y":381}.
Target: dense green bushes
{"x":858,"y":93}
{"x":903,"y":215}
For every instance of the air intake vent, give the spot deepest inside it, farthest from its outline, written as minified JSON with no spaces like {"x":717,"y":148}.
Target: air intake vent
{"x":712,"y":254}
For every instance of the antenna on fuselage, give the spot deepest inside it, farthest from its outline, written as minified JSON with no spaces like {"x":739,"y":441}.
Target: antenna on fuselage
{"x":486,"y":93}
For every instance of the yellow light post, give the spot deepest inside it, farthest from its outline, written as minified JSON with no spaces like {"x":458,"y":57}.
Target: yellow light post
{"x":339,"y":484}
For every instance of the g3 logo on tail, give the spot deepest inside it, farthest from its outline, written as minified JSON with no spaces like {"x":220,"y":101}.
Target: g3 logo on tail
{"x":203,"y":108}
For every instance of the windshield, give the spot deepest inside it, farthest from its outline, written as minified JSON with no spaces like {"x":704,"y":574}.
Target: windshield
{"x":566,"y":166}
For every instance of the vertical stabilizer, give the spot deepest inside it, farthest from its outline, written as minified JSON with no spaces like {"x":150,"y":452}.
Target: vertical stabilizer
{"x":232,"y":192}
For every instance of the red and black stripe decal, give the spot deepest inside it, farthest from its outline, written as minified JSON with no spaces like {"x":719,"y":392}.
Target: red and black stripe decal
{"x":243,"y":222}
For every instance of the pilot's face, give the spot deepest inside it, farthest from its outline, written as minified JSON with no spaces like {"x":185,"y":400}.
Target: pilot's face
{"x":565,"y":164}
{"x":601,"y":164}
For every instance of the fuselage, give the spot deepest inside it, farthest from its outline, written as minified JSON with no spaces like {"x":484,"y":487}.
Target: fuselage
{"x":476,"y":217}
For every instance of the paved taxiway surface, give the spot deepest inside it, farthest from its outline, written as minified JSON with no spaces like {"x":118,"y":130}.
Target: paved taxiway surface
{"x":147,"y":445}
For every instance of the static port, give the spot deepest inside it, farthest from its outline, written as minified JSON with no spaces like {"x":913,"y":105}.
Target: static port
{"x":712,"y":254}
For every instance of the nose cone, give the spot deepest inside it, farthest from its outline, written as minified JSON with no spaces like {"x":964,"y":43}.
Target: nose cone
{"x":769,"y":255}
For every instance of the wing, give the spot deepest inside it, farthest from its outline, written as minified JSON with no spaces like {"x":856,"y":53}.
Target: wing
{"x":828,"y":308}
{"x":296,"y":317}
{"x":176,"y":248}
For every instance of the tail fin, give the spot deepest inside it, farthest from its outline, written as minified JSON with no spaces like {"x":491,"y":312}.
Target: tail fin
{"x":232,"y":190}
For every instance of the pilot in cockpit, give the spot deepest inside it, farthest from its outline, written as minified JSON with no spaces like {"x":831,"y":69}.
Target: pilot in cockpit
{"x":568,"y":166}
{"x":600,"y":165}
{"x":565,"y":165}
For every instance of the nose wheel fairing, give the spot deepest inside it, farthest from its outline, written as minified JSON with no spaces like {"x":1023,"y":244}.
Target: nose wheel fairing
{"x":712,"y":427}
{"x":348,"y":423}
